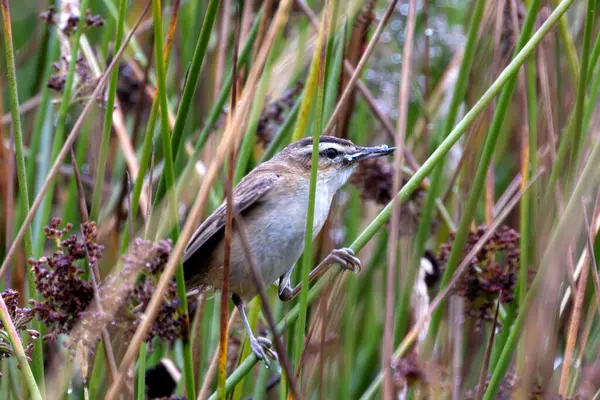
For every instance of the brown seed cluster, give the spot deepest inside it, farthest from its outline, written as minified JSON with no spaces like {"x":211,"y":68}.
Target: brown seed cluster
{"x":374,"y":178}
{"x":492,"y":274}
{"x":408,"y":370}
{"x":141,"y":271}
{"x":20,"y":317}
{"x":50,"y":17}
{"x":274,"y":114}
{"x":59,"y":277}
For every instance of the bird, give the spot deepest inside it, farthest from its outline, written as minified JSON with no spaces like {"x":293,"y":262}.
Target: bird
{"x":272,"y":201}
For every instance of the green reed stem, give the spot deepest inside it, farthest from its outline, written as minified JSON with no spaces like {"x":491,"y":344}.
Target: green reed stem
{"x":578,"y":138}
{"x":569,"y":45}
{"x":569,"y":131}
{"x":13,"y":91}
{"x":42,"y":115}
{"x":140,"y":390}
{"x":108,"y":119}
{"x":216,"y":109}
{"x":319,"y":63}
{"x":169,"y":173}
{"x":189,"y":90}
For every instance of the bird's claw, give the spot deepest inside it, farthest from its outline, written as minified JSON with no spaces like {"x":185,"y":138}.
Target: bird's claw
{"x":261,"y":347}
{"x":346,"y":258}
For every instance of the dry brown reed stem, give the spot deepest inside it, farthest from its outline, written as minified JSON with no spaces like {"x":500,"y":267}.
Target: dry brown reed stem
{"x":196,"y":335}
{"x":507,"y":194}
{"x":260,"y":285}
{"x":67,"y":145}
{"x":224,"y":326}
{"x":29,"y":105}
{"x":204,"y":392}
{"x":388,"y":336}
{"x":232,"y":133}
{"x":577,"y":311}
{"x":413,"y":334}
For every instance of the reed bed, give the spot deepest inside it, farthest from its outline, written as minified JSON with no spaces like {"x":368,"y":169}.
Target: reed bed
{"x":126,"y":123}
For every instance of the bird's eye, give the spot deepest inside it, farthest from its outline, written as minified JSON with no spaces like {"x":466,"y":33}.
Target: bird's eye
{"x":330,"y":153}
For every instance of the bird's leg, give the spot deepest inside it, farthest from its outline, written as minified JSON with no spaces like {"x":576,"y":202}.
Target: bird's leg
{"x":344,"y":256}
{"x":260,"y":345}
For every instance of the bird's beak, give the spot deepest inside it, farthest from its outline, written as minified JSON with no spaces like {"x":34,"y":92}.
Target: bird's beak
{"x":364,"y":153}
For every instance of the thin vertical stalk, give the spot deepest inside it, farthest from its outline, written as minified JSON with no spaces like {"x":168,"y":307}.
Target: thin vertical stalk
{"x":224,"y":315}
{"x":392,"y":255}
{"x":148,"y":144}
{"x":42,"y":115}
{"x":108,"y":119}
{"x":169,"y":173}
{"x":37,"y":361}
{"x":569,"y":46}
{"x":477,"y":185}
{"x":319,"y":67}
{"x":578,"y":138}
{"x":140,"y":390}
{"x":190,"y":89}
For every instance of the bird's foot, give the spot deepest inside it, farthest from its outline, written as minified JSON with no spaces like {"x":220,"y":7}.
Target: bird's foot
{"x":261,"y":347}
{"x":346,"y":258}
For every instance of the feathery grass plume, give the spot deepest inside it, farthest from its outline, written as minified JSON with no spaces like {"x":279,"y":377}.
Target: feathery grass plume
{"x":492,"y":274}
{"x":274,"y":114}
{"x":21,"y":317}
{"x":146,"y":261}
{"x":58,"y":278}
{"x":374,"y":179}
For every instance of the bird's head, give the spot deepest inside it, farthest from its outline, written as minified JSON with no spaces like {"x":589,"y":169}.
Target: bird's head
{"x":337,"y":157}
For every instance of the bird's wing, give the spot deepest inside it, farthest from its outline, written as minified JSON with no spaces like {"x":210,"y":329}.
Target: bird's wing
{"x":246,"y":193}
